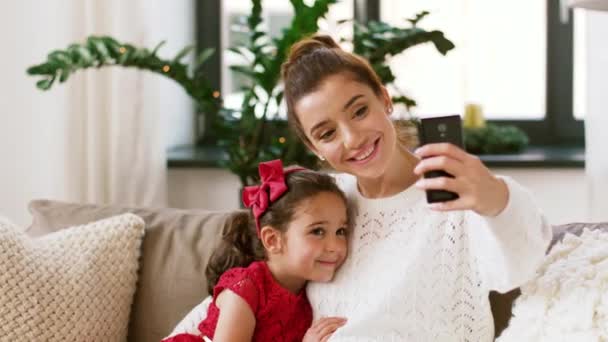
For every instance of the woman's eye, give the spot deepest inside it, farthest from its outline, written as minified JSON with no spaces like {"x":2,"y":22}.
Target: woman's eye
{"x":326,"y":135}
{"x":342,"y":231}
{"x":361,"y":111}
{"x":318,"y":231}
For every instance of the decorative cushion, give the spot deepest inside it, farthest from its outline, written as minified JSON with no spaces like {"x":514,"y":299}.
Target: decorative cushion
{"x":568,"y":300}
{"x":175,"y":251}
{"x":73,"y":285}
{"x":502,"y":303}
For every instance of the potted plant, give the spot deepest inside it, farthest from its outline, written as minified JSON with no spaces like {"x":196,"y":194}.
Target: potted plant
{"x":252,"y":133}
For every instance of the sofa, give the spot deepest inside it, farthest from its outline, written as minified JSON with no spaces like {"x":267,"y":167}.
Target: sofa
{"x":175,"y":248}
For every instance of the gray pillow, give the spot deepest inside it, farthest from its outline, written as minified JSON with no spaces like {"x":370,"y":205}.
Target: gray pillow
{"x":175,"y":250}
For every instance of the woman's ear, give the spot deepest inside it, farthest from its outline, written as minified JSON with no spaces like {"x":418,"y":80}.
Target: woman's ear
{"x":309,"y":145}
{"x":313,"y":149}
{"x":272,"y":239}
{"x":388,"y":103}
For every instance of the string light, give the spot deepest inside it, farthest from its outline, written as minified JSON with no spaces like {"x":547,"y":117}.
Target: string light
{"x":282,"y":140}
{"x":216,"y":94}
{"x":166,"y":68}
{"x":122,"y":49}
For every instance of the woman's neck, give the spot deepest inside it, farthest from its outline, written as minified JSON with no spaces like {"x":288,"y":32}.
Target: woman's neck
{"x":396,"y":178}
{"x":288,"y":282}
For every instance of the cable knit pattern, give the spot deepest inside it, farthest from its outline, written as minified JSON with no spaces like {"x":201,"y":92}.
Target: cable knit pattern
{"x":73,"y":285}
{"x":414,"y":274}
{"x":568,"y":300}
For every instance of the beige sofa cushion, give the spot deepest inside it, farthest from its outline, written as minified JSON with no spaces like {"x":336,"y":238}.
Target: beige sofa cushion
{"x":175,"y":250}
{"x":73,"y":285}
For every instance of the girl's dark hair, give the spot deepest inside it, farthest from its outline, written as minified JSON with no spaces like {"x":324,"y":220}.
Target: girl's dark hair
{"x":311,"y":61}
{"x":240,"y":245}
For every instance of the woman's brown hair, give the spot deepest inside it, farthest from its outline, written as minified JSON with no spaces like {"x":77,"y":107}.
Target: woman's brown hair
{"x":311,"y":61}
{"x":240,"y":245}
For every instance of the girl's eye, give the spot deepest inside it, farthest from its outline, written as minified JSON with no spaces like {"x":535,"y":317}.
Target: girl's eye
{"x":342,"y":232}
{"x":361,"y":111}
{"x":318,"y":231}
{"x":326,"y":135}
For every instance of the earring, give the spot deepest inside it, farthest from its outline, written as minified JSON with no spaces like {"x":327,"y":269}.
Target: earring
{"x":389,"y":110}
{"x":321,"y":158}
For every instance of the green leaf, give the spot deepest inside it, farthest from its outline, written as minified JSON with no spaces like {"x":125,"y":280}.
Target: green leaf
{"x":45,"y":84}
{"x":99,"y":47}
{"x":203,"y":57}
{"x":408,"y":102}
{"x":112,"y":46}
{"x":61,"y":57}
{"x":81,"y":56}
{"x":125,"y":56}
{"x":64,"y":74}
{"x":245,"y":70}
{"x":183,"y":52}
{"x":41,"y":69}
{"x":158,"y":46}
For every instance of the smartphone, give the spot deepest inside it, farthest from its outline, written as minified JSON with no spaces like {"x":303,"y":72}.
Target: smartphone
{"x":438,"y":130}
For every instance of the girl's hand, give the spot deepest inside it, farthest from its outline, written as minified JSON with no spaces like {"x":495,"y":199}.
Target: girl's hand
{"x":323,"y":328}
{"x":478,"y":189}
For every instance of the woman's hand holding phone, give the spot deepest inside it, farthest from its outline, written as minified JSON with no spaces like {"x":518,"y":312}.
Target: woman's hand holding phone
{"x":477,"y":188}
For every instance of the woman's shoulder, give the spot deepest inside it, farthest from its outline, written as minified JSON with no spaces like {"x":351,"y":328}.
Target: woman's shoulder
{"x":346,"y":182}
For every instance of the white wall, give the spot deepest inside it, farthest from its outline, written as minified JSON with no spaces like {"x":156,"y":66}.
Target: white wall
{"x":32,"y":144}
{"x":30,"y":121}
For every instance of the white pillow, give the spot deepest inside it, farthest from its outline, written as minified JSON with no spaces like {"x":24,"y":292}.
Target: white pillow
{"x":568,"y":300}
{"x":190,"y":323}
{"x":76,"y":284}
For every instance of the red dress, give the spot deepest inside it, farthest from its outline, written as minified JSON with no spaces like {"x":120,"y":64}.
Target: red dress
{"x":279,"y":314}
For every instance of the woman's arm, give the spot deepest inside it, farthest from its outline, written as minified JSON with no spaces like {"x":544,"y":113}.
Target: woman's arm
{"x":236,"y":321}
{"x":510,"y":246}
{"x":509,"y":234}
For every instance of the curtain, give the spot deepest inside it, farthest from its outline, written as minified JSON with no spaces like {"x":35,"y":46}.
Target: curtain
{"x":115,"y":146}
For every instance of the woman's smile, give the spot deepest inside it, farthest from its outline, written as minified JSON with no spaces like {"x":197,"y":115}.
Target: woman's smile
{"x":365,"y":154}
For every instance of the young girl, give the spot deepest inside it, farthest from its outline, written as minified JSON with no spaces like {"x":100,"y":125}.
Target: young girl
{"x":415,"y":272}
{"x":296,"y":231}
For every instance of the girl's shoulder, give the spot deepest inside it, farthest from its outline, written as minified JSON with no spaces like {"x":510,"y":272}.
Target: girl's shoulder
{"x":255,"y":270}
{"x":246,"y":282}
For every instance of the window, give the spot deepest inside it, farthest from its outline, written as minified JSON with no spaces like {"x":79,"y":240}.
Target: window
{"x":277,"y":14}
{"x":517,"y":58}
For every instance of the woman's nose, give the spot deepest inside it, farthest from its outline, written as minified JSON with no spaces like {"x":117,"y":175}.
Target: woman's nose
{"x":351,"y":138}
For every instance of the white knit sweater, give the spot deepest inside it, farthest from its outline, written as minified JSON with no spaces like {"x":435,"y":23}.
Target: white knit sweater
{"x":418,"y":275}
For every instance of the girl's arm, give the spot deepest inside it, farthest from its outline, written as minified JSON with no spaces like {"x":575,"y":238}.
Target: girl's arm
{"x":236,"y":321}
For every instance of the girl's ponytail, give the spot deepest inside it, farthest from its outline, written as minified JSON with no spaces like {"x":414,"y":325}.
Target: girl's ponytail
{"x":239,"y":247}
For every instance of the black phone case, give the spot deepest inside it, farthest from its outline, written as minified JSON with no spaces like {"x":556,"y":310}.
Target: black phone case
{"x":437,"y":130}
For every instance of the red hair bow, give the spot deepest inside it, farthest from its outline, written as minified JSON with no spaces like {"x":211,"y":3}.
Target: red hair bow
{"x":259,"y":197}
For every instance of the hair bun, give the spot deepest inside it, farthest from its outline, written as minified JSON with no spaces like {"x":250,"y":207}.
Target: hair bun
{"x":326,"y":40}
{"x":308,"y":46}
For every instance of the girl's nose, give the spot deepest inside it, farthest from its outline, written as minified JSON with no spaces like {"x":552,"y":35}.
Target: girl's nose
{"x":334,"y":244}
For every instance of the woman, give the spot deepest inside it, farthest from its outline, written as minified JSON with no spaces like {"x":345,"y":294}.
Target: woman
{"x":416,"y":272}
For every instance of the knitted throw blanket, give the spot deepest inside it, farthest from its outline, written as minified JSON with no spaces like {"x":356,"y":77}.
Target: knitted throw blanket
{"x":568,"y":300}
